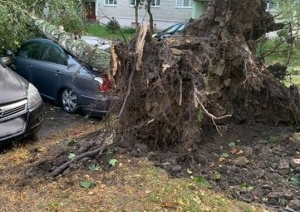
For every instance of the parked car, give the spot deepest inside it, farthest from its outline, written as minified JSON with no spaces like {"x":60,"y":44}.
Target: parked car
{"x":20,"y":106}
{"x":101,"y":43}
{"x":61,"y":77}
{"x":174,"y":29}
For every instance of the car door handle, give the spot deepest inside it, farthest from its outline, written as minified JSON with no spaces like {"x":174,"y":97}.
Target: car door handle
{"x":29,"y":65}
{"x":57,"y":72}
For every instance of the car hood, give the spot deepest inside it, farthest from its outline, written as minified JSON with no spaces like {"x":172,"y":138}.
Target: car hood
{"x":12,"y":86}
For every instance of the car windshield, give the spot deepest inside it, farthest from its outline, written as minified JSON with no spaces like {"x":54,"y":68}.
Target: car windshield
{"x":181,"y":28}
{"x":172,"y":29}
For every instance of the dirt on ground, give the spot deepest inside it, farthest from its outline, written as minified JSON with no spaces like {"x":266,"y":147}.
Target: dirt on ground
{"x":252,"y":163}
{"x":258,"y":163}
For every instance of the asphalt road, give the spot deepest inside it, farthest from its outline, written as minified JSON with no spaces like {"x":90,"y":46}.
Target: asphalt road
{"x":55,"y":120}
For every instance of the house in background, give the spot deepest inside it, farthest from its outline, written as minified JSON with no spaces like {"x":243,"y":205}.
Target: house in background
{"x":165,"y":12}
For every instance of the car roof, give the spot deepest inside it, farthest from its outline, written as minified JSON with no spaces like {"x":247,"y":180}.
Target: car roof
{"x":38,"y":39}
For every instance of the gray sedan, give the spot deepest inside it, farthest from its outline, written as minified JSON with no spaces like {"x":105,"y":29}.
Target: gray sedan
{"x":62,"y":77}
{"x":20,"y":107}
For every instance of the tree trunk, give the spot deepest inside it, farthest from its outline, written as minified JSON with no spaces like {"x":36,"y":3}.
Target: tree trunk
{"x":150,"y":16}
{"x":136,"y":14}
{"x":97,"y":58}
{"x":206,"y":78}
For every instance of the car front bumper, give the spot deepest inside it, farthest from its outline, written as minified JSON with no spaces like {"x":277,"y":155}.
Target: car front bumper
{"x":21,"y":126}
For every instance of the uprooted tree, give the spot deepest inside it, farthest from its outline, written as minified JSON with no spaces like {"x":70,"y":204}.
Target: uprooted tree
{"x":173,"y":92}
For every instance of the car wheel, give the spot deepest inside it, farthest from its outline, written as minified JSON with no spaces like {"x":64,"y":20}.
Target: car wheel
{"x":68,"y":100}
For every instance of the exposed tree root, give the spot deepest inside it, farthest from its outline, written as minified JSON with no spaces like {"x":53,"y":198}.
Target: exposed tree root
{"x":97,"y":150}
{"x":63,"y":167}
{"x":205,"y":78}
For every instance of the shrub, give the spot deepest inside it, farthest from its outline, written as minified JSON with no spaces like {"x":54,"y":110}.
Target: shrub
{"x":129,"y":30}
{"x":113,"y":25}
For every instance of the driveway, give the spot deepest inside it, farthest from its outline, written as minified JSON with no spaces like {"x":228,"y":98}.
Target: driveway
{"x":55,"y":120}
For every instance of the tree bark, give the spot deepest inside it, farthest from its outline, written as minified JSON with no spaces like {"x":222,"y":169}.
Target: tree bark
{"x":150,"y":16}
{"x":97,"y":58}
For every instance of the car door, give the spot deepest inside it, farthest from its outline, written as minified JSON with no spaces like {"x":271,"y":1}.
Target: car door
{"x":26,"y":58}
{"x":47,"y":73}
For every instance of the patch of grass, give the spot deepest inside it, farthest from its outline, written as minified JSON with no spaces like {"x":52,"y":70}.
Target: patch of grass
{"x":280,"y":53}
{"x":292,"y":80}
{"x":101,"y":31}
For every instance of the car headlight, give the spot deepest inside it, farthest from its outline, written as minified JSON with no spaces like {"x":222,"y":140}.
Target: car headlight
{"x":33,"y":96}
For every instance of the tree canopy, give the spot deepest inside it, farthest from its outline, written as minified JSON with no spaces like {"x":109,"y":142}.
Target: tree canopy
{"x":15,"y":30}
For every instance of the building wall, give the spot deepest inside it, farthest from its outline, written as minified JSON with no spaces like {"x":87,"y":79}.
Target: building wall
{"x":164,"y":15}
{"x":199,"y":7}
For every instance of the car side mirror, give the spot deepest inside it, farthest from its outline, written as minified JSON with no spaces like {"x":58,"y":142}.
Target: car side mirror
{"x":6,"y":60}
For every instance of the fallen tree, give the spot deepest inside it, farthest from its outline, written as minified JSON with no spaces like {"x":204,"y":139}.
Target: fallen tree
{"x":206,"y":78}
{"x":91,"y":55}
{"x":175,"y":92}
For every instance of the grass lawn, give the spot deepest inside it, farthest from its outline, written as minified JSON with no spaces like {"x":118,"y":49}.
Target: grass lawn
{"x":279,"y":55}
{"x":103,"y":32}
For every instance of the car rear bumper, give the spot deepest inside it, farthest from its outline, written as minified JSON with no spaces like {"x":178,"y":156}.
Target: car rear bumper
{"x":95,"y":106}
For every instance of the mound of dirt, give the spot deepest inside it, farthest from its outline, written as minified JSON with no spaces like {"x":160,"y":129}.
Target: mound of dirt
{"x":259,"y":163}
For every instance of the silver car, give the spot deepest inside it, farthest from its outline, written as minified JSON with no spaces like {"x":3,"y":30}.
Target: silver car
{"x":20,"y":106}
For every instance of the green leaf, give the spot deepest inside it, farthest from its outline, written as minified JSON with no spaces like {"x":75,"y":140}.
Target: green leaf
{"x":224,"y":155}
{"x":231,"y":144}
{"x":200,"y":115}
{"x":218,"y":176}
{"x":87,"y":184}
{"x":110,"y":152}
{"x":71,"y":156}
{"x":94,"y":167}
{"x":189,"y":171}
{"x":295,"y":181}
{"x":113,"y":162}
{"x":246,"y":187}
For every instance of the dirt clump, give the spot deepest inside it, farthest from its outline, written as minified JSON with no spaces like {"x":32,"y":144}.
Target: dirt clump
{"x":251,"y":163}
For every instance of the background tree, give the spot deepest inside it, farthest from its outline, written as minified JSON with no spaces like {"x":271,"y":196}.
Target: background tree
{"x":148,"y":8}
{"x":143,"y":4}
{"x":289,"y":11}
{"x":65,"y":13}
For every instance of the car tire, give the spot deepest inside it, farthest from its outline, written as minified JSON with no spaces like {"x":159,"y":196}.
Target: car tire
{"x":69,"y":100}
{"x":33,"y":137}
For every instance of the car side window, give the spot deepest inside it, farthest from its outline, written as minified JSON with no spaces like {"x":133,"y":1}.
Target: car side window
{"x":29,"y":51}
{"x":54,"y":54}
